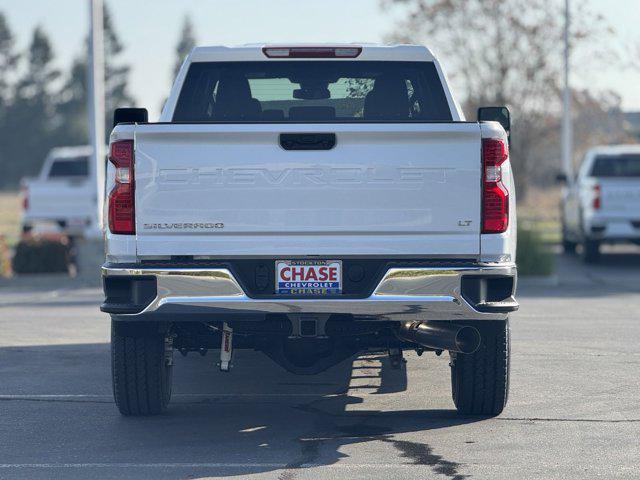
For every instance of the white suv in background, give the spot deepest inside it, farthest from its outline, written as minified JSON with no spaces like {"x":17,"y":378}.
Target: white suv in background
{"x":602,"y":204}
{"x":63,"y":194}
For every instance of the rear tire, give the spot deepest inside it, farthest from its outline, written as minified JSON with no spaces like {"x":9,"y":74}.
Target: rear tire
{"x":140,"y":368}
{"x":480,"y":381}
{"x":568,"y":247}
{"x":591,"y":251}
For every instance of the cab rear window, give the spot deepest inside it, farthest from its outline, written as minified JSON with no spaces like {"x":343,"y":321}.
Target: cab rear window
{"x":69,"y":167}
{"x":312,"y":91}
{"x":626,"y":165}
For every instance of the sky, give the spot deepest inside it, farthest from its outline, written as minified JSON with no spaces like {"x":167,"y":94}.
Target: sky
{"x":149,"y":29}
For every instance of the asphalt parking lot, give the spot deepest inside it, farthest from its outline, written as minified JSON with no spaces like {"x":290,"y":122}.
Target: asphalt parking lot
{"x":573,"y":410}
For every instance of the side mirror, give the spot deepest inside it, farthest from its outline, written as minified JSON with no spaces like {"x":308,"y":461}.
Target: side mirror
{"x":130,"y":115}
{"x":562,"y":178}
{"x":496,"y":114}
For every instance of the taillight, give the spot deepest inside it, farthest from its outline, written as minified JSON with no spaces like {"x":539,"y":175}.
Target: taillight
{"x":122,"y":218}
{"x":597,"y":203}
{"x":24,"y":191}
{"x":312,"y":52}
{"x":495,"y":197}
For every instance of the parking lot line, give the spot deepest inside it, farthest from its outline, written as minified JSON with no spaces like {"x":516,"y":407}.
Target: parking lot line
{"x":203,"y":465}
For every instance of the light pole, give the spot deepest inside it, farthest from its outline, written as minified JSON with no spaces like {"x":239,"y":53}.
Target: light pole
{"x":95,"y":109}
{"x":567,"y":133}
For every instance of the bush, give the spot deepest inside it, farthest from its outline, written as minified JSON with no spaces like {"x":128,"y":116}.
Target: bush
{"x":41,"y":256}
{"x":534,"y":256}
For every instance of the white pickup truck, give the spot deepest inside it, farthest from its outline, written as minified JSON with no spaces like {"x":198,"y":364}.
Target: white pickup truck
{"x":602,"y":204}
{"x":311,"y":203}
{"x":62,"y":194}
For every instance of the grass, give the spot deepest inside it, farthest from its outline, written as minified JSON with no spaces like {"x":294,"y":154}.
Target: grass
{"x":10,"y":209}
{"x":535,"y":256}
{"x":538,"y":231}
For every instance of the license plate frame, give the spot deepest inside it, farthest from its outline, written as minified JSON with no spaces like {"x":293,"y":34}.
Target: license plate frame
{"x":311,"y":277}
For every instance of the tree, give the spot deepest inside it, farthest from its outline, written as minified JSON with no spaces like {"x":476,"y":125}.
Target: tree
{"x":599,"y":120}
{"x":185,"y":44}
{"x":504,"y":52}
{"x":116,"y":74}
{"x":8,"y":59}
{"x":8,"y":62}
{"x":27,"y":136}
{"x":72,"y":108}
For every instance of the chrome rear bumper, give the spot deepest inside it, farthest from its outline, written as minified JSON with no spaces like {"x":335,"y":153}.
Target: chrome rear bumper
{"x":403,"y":294}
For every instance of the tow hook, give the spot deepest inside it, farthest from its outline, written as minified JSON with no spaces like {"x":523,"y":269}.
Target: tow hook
{"x":226,"y":348}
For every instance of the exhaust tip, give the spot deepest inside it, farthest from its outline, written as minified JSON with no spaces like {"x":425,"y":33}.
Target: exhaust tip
{"x":468,"y":339}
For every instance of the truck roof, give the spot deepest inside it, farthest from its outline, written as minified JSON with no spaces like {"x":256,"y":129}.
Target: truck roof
{"x":254,"y":52}
{"x":71,"y":152}
{"x":614,"y":149}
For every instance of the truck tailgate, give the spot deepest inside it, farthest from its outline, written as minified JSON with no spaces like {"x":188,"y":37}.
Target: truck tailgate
{"x":232,"y":190}
{"x":620,"y":197}
{"x":61,"y":199}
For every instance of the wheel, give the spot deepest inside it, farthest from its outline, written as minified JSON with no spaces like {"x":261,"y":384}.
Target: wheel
{"x":140,"y":368}
{"x":591,"y":251}
{"x":569,"y":247}
{"x":480,"y":380}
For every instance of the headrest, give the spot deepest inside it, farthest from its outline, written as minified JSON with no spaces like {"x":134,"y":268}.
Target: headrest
{"x":390,"y":84}
{"x":388,"y":99}
{"x":233,"y":87}
{"x":234,"y":100}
